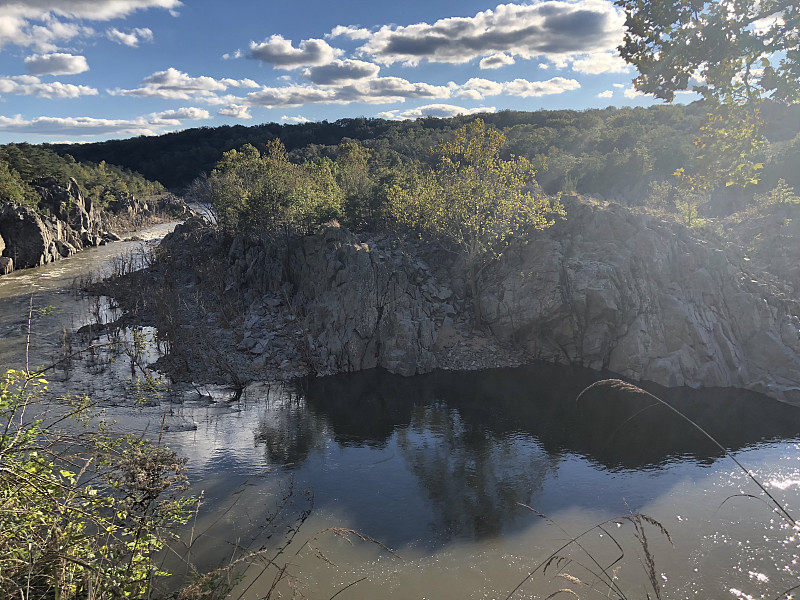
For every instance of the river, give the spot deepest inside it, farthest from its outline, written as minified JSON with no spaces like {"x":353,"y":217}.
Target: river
{"x":471,"y":479}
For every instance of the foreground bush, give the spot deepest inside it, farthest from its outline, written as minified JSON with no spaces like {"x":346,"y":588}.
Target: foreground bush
{"x":82,"y":514}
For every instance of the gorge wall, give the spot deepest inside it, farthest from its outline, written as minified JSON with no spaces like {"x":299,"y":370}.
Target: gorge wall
{"x":65,"y":222}
{"x":607,"y":288}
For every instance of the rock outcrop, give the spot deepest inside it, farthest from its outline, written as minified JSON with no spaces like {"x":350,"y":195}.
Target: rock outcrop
{"x":30,"y":242}
{"x":645,"y":298}
{"x":607,"y":288}
{"x":65,"y":223}
{"x":357,"y":303}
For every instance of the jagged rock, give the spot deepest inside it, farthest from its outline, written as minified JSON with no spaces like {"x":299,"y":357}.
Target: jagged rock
{"x":66,"y":203}
{"x":30,"y":241}
{"x":127,"y":204}
{"x":642,"y":297}
{"x":6,"y":265}
{"x":607,"y":288}
{"x":360,"y":310}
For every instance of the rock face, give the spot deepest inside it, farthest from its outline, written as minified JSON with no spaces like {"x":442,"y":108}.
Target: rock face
{"x":65,"y":223}
{"x":357,"y":304}
{"x":30,"y":241}
{"x":607,"y":288}
{"x":67,"y":204}
{"x":643,"y":297}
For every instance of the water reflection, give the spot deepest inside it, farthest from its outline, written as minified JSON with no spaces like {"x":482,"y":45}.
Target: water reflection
{"x":288,"y":432}
{"x":475,"y":480}
{"x":457,"y":455}
{"x":612,"y":428}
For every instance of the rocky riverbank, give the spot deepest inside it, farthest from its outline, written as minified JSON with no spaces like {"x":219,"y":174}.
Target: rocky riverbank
{"x":607,"y":288}
{"x":65,"y":222}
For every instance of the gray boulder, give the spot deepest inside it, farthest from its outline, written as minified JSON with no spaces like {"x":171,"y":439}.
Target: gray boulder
{"x":30,"y":243}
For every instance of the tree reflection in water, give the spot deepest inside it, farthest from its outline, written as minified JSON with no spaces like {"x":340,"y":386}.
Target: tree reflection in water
{"x":458,"y":453}
{"x":288,"y":431}
{"x":475,"y":479}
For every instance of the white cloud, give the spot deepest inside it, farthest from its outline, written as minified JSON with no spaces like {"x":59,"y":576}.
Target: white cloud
{"x":385,"y":90}
{"x":495,"y":61}
{"x":530,"y":89}
{"x":553,"y":29}
{"x":232,"y":55}
{"x":239,"y":83}
{"x":131,"y":38}
{"x":477,"y":89}
{"x":600,"y":62}
{"x":237,"y":111}
{"x":290,"y":95}
{"x":341,"y":71}
{"x":44,"y":23}
{"x":388,"y":89}
{"x":632,"y":92}
{"x":279,"y":52}
{"x":177,"y":85}
{"x":28,"y":85}
{"x":349,"y":31}
{"x":606,"y":94}
{"x":189,"y":113}
{"x":381,"y":90}
{"x":544,"y":66}
{"x":435,"y":110}
{"x":298,"y":119}
{"x":88,"y":126}
{"x":56,"y":64}
{"x":764,"y":24}
{"x":48,"y":36}
{"x":619,"y":85}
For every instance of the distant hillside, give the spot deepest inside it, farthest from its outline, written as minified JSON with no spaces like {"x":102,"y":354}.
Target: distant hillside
{"x":100,"y":181}
{"x":610,"y":152}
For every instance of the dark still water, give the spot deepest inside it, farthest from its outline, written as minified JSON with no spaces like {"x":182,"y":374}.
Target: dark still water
{"x":446,"y":468}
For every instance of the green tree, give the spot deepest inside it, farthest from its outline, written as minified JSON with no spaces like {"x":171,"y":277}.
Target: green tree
{"x":473,"y":201}
{"x":353,"y":177}
{"x":13,"y":188}
{"x":266,"y":193}
{"x":735,"y":54}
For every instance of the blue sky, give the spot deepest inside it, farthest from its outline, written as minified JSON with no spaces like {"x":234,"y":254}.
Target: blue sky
{"x":87,"y":70}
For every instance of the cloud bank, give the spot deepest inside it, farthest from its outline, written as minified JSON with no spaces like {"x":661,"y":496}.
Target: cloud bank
{"x":553,"y":28}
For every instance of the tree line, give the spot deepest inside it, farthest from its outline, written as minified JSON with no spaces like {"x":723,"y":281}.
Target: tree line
{"x":612,"y":152}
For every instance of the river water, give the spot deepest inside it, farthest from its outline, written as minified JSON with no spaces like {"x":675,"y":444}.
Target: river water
{"x":472,"y":480}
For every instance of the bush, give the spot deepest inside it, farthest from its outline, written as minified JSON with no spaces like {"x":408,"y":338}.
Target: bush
{"x":81,"y":515}
{"x":782,"y":193}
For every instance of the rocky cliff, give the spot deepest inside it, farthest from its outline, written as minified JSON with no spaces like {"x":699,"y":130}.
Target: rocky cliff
{"x":63,"y":223}
{"x":646,"y":298}
{"x":607,"y":288}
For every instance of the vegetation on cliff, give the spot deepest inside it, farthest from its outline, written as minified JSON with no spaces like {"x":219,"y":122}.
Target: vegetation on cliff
{"x":22,"y":164}
{"x":474,"y":202}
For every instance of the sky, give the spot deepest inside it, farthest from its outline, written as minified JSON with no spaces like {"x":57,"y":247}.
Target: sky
{"x":90,"y":70}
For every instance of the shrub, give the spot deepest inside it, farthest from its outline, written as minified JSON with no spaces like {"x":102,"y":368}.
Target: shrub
{"x":81,"y":515}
